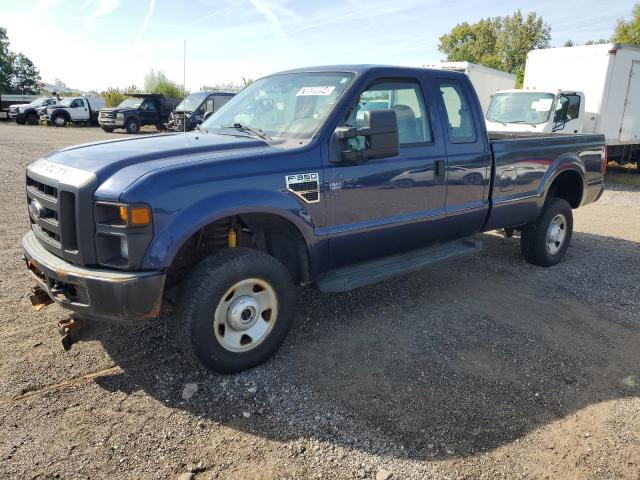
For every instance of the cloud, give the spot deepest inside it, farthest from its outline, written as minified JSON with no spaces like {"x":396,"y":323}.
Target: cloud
{"x":269,"y":14}
{"x":145,"y":23}
{"x":99,"y":8}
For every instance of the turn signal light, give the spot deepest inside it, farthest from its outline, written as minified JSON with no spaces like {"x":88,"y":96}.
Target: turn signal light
{"x":140,"y":216}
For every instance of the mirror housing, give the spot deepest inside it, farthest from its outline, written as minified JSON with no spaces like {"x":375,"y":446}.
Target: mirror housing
{"x":380,"y":138}
{"x":207,"y":115}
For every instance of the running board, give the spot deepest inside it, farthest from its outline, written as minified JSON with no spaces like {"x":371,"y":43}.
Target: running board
{"x":361,"y":274}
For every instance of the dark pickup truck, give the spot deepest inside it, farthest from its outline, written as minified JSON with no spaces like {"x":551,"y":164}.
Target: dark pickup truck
{"x":139,"y":110}
{"x":195,"y":109}
{"x":299,"y":180}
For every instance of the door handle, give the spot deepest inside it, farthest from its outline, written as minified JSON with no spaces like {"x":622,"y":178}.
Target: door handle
{"x":440,"y":171}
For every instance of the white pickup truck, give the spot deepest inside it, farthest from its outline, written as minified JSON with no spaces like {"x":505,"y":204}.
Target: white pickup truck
{"x":77,"y":110}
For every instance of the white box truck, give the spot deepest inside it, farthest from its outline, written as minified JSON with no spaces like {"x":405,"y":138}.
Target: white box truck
{"x":485,"y":80}
{"x":585,"y":89}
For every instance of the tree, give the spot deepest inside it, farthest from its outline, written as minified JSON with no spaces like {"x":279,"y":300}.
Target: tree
{"x":629,"y":31}
{"x":6,"y":62}
{"x":157,"y":82}
{"x":597,"y":42}
{"x":498,"y":42}
{"x":569,"y":43}
{"x":114,"y":96}
{"x":25,"y":76}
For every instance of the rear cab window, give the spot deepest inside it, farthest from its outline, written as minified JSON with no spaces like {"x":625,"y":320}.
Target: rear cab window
{"x":459,"y":116}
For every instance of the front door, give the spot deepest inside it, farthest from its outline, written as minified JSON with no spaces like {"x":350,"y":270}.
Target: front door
{"x":148,"y":112}
{"x":385,"y":206}
{"x":79,"y":110}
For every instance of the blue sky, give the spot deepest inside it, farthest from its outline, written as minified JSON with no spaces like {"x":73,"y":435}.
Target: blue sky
{"x":94,"y":44}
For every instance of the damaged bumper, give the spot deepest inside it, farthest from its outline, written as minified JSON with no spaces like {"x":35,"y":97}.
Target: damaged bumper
{"x":94,"y":293}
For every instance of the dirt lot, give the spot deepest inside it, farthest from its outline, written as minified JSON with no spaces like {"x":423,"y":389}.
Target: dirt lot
{"x":483,"y":367}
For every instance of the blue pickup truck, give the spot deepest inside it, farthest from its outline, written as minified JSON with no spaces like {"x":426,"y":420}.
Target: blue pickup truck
{"x":330,"y":177}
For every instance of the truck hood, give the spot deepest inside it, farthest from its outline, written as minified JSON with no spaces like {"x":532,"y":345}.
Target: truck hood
{"x":151,"y":152}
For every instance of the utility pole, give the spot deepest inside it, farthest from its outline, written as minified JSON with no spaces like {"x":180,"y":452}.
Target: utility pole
{"x":184,"y":81}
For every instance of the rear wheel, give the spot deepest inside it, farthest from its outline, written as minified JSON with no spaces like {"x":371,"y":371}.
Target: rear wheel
{"x":132,"y":126}
{"x":235,"y":310}
{"x":545,"y":241}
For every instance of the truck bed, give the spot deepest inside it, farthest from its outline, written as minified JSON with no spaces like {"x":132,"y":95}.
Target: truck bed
{"x":526,"y":163}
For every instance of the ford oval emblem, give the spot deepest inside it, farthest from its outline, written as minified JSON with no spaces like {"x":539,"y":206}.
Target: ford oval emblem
{"x":36,"y":209}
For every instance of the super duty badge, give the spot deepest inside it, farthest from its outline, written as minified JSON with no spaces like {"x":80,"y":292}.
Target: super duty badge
{"x":304,"y":185}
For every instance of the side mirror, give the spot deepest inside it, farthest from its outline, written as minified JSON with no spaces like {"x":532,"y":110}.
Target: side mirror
{"x":207,"y":115}
{"x":377,"y":138}
{"x":561,"y":115}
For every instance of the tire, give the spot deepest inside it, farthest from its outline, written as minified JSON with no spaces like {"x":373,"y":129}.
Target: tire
{"x":132,"y":125}
{"x":20,"y":122}
{"x":240,"y":280}
{"x":107,"y":129}
{"x":59,"y":120}
{"x":545,"y":241}
{"x":31,"y":119}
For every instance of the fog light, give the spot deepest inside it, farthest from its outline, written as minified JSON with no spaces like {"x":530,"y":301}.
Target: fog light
{"x":124,"y":248}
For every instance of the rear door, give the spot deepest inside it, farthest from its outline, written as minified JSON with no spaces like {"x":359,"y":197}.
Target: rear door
{"x":385,"y":206}
{"x":468,"y":158}
{"x":630,"y":131}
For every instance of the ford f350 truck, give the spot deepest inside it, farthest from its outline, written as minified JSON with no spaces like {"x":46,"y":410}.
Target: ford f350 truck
{"x":289,"y":184}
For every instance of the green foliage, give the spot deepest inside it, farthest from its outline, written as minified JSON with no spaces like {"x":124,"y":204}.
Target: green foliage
{"x":569,"y":43}
{"x":597,"y":42}
{"x":628,"y":32}
{"x":157,"y":82}
{"x":18,"y":74}
{"x":114,"y":96}
{"x":498,"y":42}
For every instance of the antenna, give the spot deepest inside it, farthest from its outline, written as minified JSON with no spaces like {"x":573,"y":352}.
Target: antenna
{"x":184,"y":81}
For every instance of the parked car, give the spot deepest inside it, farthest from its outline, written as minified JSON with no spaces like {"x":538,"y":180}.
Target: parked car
{"x":71,"y":110}
{"x":287,"y":186}
{"x":28,"y":112}
{"x":8,"y":100}
{"x":136,"y":111}
{"x":585,"y":89}
{"x":195,"y":108}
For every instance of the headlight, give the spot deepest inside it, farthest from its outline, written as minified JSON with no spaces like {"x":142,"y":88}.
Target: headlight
{"x":123,"y":233}
{"x":119,"y":116}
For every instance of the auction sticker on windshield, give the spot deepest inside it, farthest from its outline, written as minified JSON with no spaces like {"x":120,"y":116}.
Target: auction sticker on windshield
{"x":542,"y":105}
{"x":321,"y":90}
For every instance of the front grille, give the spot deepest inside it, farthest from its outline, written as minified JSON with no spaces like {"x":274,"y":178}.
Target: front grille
{"x":53,"y":217}
{"x":107,"y":115}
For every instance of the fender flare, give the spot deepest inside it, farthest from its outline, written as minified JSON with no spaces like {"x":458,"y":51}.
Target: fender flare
{"x":563,"y":164}
{"x":166,"y":245}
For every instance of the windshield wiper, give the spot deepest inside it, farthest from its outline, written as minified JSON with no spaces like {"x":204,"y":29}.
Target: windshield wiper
{"x":244,"y":128}
{"x":525,"y":122}
{"x":496,"y":120}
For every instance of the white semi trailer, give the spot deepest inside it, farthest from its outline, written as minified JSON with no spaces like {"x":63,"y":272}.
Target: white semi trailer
{"x":585,"y":89}
{"x":485,"y":80}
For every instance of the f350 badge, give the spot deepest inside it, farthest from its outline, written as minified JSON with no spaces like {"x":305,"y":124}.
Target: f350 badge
{"x":304,"y":185}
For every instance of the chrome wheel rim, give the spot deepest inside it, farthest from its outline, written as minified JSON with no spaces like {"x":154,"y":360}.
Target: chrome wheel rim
{"x":556,"y":234}
{"x":59,"y":121}
{"x":245,"y":315}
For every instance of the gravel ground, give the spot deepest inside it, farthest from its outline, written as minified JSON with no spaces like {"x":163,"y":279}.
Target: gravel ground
{"x":485,"y":367}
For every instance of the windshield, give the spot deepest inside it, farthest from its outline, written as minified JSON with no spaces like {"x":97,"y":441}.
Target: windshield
{"x":520,"y":107}
{"x":192,"y":102}
{"x":131,"y":103}
{"x":38,"y":101}
{"x":291,"y":105}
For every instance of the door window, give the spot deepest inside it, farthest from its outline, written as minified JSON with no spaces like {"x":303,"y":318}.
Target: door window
{"x":405,"y":98}
{"x":569,"y":104}
{"x":458,"y":109}
{"x":77,"y":103}
{"x":209,"y":105}
{"x":148,"y":106}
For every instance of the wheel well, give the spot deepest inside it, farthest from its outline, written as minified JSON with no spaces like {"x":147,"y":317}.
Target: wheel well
{"x":568,"y":186}
{"x":269,"y":233}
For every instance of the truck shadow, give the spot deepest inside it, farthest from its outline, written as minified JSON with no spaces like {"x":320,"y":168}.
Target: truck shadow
{"x":451,"y":361}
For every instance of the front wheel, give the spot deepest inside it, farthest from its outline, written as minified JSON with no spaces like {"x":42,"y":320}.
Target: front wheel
{"x":107,"y":129}
{"x":545,"y":241}
{"x":132,"y":126}
{"x":32,"y":119}
{"x":59,"y":121}
{"x":235,"y":310}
